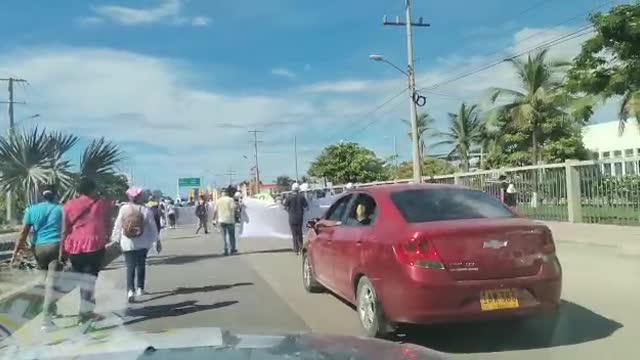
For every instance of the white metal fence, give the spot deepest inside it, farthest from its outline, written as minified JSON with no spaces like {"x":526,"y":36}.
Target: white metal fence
{"x":575,"y":191}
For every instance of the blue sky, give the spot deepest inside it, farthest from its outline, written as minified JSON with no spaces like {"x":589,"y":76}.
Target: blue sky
{"x":166,"y":78}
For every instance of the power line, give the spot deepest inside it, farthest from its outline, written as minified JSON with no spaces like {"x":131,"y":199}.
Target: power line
{"x":371,"y":122}
{"x":541,"y":46}
{"x":536,"y":34}
{"x":537,"y":4}
{"x":549,"y":43}
{"x":370,"y":113}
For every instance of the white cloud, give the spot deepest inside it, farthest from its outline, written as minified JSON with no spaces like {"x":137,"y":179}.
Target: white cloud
{"x":200,"y":21}
{"x":167,"y":11}
{"x":341,"y":86}
{"x":130,"y":97}
{"x":283,"y":72}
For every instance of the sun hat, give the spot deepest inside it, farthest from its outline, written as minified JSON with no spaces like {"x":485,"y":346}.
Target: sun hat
{"x":133,"y":192}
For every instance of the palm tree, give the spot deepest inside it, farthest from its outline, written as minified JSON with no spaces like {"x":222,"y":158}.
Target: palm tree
{"x":541,"y":97}
{"x":629,"y":107}
{"x":32,"y":158}
{"x":465,"y":132}
{"x":425,"y":124}
{"x":98,"y":161}
{"x":25,"y":162}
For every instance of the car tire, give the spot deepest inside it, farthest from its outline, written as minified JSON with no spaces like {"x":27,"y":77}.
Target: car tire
{"x":309,"y":281}
{"x":370,"y":311}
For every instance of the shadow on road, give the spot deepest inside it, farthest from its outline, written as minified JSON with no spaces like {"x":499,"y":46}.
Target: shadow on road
{"x":170,"y":310}
{"x":573,"y":324}
{"x":268,"y":251}
{"x":192,"y":290}
{"x":181,"y":259}
{"x":185,"y":259}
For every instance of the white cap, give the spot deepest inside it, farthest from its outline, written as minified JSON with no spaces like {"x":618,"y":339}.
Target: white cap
{"x":511,"y":189}
{"x":349,"y":186}
{"x":304,"y":187}
{"x":295,"y":187}
{"x":237,"y":194}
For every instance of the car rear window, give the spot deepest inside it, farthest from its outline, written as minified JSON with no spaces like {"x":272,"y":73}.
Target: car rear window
{"x":424,"y":205}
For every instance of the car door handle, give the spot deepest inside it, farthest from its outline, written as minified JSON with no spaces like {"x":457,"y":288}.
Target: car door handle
{"x":359,"y":242}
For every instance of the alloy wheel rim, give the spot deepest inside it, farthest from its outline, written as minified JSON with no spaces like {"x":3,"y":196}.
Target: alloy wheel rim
{"x":367,"y":307}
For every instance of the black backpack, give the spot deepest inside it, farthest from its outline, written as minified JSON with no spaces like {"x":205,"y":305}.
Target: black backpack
{"x":201,"y":210}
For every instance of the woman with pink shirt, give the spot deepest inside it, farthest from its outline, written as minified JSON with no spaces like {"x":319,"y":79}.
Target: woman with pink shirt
{"x":86,"y":230}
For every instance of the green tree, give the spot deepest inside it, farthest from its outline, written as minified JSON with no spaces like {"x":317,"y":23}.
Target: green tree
{"x":529,"y":108}
{"x":465,"y":133}
{"x":431,"y":166}
{"x":32,"y":158}
{"x":561,"y":138}
{"x":609,"y":63}
{"x":114,"y":187}
{"x":348,"y":162}
{"x":284,"y":182}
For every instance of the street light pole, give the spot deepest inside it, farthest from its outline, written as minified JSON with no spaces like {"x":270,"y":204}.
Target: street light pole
{"x":415,"y":141}
{"x":413,"y":107}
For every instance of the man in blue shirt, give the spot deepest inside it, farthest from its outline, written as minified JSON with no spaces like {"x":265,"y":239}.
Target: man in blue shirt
{"x":45,"y":220}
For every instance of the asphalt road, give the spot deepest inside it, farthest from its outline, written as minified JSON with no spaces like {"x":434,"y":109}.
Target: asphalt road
{"x":260,"y":291}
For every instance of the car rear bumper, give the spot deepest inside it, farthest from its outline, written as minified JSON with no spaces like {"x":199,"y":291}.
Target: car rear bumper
{"x":446,"y":301}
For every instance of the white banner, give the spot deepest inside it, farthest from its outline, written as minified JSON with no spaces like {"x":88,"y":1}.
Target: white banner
{"x":269,"y":219}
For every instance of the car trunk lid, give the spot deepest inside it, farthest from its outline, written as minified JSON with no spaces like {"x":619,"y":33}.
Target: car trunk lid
{"x":481,"y":249}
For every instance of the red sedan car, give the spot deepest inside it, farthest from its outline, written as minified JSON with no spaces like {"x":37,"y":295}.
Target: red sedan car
{"x":427,"y":253}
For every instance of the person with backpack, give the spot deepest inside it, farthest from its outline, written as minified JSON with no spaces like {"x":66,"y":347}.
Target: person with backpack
{"x":45,"y":220}
{"x":202,"y":214}
{"x":87,"y":223}
{"x":136,"y":230}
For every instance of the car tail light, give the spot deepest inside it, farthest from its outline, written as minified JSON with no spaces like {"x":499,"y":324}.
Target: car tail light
{"x":418,"y":251}
{"x":548,"y":245}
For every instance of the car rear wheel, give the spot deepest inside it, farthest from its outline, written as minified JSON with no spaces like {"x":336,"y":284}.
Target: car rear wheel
{"x":370,"y":311}
{"x":308,"y":278}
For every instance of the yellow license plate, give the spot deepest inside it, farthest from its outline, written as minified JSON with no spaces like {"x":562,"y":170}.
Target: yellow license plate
{"x":499,"y":299}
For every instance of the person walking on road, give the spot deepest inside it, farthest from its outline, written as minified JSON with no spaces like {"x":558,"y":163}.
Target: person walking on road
{"x":296,"y":204}
{"x":225,"y":216}
{"x":155,"y":210}
{"x":45,"y":219}
{"x":202,"y":214}
{"x":135,"y":228}
{"x":86,"y":230}
{"x":172,"y":214}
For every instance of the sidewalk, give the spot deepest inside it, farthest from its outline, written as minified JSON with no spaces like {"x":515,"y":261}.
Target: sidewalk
{"x":625,"y":238}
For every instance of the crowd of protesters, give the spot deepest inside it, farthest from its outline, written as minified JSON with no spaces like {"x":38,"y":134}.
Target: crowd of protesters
{"x":82,"y":236}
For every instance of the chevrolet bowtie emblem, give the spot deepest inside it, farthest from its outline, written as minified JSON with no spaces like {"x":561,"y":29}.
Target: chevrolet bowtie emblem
{"x":495,"y":244}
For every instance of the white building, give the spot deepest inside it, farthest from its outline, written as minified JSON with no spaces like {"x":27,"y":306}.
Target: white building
{"x":605,"y":140}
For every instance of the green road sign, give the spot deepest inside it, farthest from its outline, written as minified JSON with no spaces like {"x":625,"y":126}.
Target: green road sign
{"x":189,"y":182}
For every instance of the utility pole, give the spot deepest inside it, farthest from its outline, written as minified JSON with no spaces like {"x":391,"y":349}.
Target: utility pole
{"x":12,"y":132}
{"x":295,"y":152}
{"x":417,"y":166}
{"x":395,"y":156}
{"x":255,"y":147}
{"x":230,"y":174}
